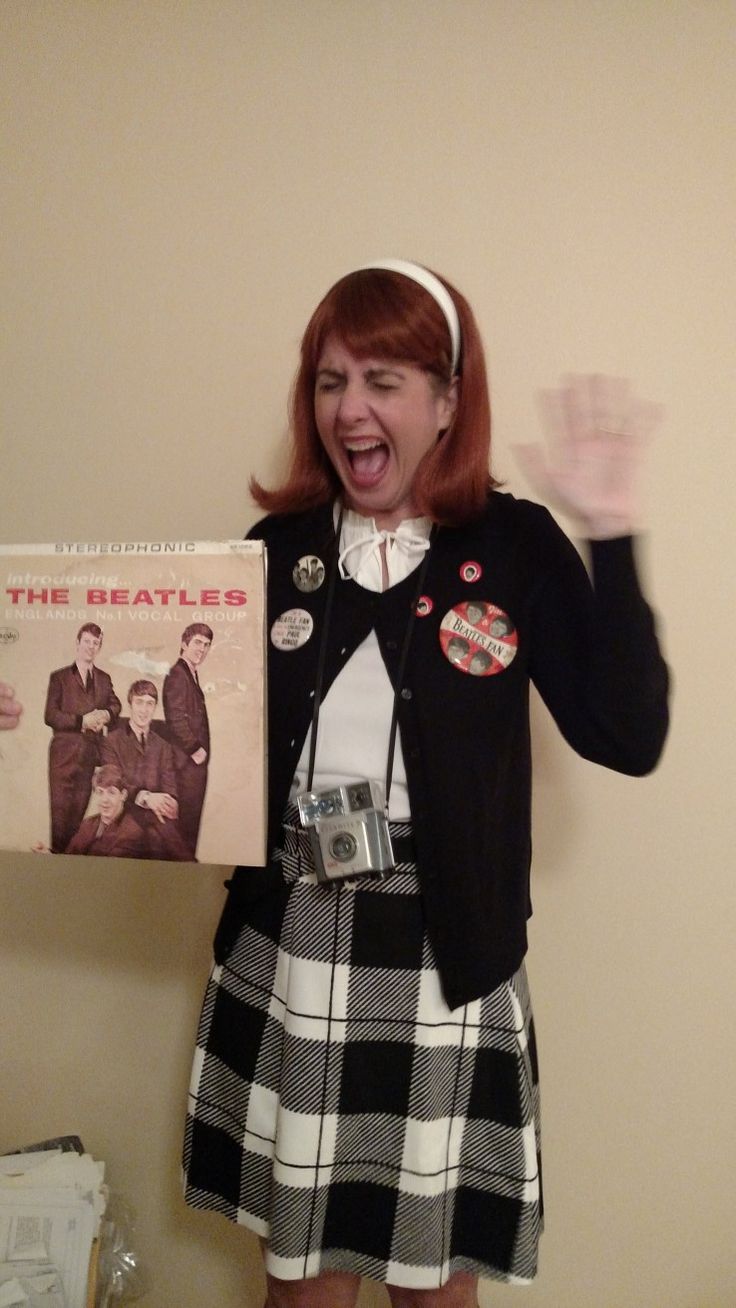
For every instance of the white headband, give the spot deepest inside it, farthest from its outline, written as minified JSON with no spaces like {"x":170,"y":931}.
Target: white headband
{"x":435,"y":288}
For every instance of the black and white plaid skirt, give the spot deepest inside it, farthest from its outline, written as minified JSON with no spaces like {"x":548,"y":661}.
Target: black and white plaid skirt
{"x":342,"y":1111}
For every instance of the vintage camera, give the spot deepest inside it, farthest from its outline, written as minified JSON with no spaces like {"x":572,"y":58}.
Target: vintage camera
{"x":348,"y":830}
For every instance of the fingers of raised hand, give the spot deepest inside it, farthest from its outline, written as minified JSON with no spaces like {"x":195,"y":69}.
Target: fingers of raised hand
{"x":588,"y":406}
{"x":596,"y":429}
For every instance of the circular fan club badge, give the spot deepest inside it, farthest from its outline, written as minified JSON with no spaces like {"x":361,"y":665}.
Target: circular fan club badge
{"x":292,"y":629}
{"x":478,"y":637}
{"x":308,"y":573}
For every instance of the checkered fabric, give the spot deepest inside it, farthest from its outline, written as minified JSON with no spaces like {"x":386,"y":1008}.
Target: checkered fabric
{"x":341,"y":1110}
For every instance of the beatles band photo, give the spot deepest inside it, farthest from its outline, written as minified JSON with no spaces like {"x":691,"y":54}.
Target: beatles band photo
{"x":124,"y":780}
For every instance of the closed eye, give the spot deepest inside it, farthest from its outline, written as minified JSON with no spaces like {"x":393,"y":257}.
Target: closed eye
{"x":384,"y":379}
{"x":329,"y":381}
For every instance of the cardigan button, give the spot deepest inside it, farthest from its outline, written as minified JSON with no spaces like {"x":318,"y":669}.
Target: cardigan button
{"x":406,"y":693}
{"x":392,"y":644}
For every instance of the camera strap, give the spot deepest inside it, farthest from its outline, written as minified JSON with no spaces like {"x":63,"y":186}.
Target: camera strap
{"x":322,"y":656}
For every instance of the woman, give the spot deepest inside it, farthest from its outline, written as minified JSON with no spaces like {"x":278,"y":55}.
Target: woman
{"x":364,"y":1094}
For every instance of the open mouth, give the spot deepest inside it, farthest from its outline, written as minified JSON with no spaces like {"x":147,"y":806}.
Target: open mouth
{"x":368,"y":460}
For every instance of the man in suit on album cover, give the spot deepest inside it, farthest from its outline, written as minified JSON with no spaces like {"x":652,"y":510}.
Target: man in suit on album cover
{"x":81,"y":705}
{"x":146,"y":762}
{"x":111,"y":832}
{"x":185,"y":712}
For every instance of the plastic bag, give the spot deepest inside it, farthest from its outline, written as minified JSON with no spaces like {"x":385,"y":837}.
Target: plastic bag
{"x":120,"y":1277}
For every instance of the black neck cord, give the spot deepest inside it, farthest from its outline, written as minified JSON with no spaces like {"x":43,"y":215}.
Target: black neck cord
{"x":323,"y":649}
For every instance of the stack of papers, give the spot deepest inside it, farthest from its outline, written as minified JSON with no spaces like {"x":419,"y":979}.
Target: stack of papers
{"x":51,"y":1204}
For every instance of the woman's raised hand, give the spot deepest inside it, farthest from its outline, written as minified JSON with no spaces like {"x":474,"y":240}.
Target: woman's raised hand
{"x":597,"y":429}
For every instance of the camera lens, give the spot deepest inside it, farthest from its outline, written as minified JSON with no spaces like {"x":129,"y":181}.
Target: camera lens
{"x":343,"y":847}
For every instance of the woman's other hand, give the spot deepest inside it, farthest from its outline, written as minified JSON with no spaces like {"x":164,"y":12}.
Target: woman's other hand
{"x":10,"y":709}
{"x":597,"y":429}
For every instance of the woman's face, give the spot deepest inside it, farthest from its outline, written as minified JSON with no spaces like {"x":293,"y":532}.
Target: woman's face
{"x":377,"y":419}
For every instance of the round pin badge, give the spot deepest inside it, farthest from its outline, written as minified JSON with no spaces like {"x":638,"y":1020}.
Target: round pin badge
{"x":477,"y":637}
{"x":470,"y":571}
{"x":292,"y":629}
{"x":424,"y":606}
{"x":308,"y":573}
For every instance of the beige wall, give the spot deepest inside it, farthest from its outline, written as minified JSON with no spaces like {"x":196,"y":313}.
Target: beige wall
{"x":183,"y":179}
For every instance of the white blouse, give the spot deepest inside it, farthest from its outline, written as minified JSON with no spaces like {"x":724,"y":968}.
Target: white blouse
{"x":359,"y":703}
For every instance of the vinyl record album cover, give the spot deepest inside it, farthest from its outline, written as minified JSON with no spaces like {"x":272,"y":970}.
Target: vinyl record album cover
{"x":141,"y":670}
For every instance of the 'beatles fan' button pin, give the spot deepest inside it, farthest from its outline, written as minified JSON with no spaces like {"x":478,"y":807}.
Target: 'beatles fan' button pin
{"x":292,"y":629}
{"x":308,"y":573}
{"x":478,"y":637}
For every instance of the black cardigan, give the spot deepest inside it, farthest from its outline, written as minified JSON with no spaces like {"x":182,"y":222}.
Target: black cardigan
{"x":591,"y":650}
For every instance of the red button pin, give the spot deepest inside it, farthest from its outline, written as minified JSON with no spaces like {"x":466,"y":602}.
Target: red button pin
{"x":470,"y":571}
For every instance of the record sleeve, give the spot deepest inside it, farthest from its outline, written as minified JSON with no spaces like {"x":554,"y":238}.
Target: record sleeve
{"x":141,"y":670}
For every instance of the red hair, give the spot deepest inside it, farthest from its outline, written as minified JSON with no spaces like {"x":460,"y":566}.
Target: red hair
{"x":385,"y":315}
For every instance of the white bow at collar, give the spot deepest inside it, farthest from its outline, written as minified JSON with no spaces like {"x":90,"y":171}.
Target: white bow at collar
{"x":361,"y":541}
